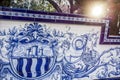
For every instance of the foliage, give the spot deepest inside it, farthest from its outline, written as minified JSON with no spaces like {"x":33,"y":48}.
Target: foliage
{"x":5,"y":3}
{"x":41,"y":5}
{"x":60,"y":6}
{"x":20,"y":4}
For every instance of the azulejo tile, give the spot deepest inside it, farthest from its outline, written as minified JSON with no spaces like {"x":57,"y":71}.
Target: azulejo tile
{"x":57,"y":51}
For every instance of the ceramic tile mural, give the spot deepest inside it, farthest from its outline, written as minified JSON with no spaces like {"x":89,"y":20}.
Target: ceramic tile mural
{"x":57,"y":48}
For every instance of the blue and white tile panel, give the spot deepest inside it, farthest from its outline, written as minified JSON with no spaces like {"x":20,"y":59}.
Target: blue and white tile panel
{"x":106,"y":39}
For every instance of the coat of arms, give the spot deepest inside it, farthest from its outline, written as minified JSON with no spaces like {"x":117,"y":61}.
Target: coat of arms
{"x":31,"y":52}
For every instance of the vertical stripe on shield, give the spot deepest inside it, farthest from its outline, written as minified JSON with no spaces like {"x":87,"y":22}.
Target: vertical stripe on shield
{"x":47,"y":64}
{"x":39,"y":63}
{"x":19,"y":66}
{"x":28,"y":67}
{"x":33,"y":67}
{"x":24,"y":67}
{"x":43,"y":65}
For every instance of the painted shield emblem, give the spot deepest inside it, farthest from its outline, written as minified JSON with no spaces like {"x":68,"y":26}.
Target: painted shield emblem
{"x":32,"y":56}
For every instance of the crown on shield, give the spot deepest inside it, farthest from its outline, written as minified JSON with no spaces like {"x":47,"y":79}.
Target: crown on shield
{"x":32,"y":36}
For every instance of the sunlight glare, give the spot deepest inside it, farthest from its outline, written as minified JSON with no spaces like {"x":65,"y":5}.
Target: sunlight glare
{"x":97,"y":11}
